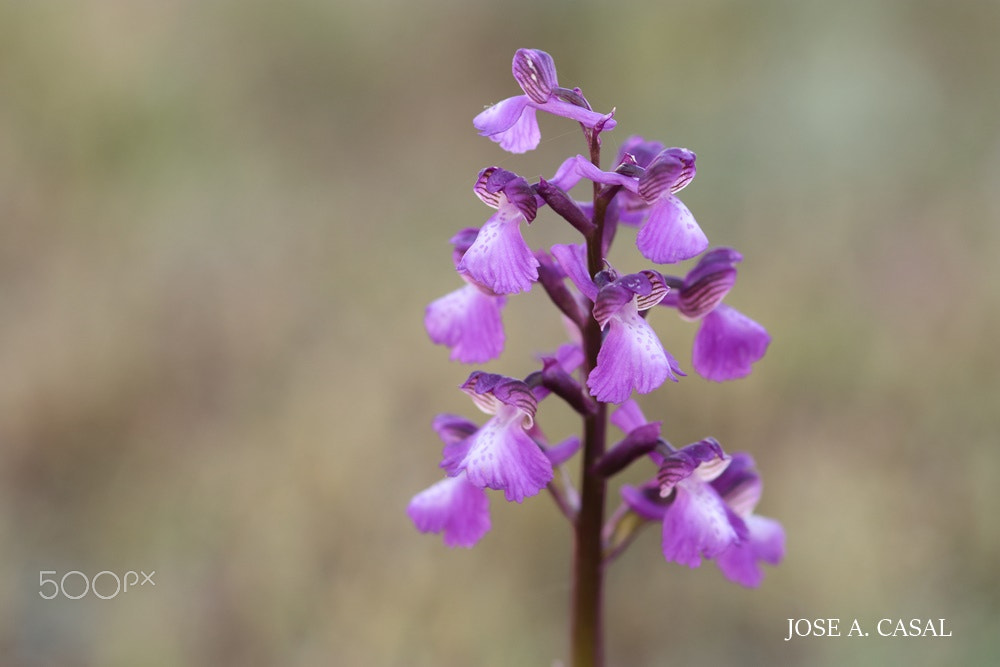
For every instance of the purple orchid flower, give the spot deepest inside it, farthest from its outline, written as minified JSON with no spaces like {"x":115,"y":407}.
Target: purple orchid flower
{"x":501,"y":454}
{"x":728,"y":342}
{"x":631,"y":357}
{"x":499,"y":258}
{"x":468,"y":319}
{"x":453,"y":506}
{"x":702,"y":498}
{"x":697,"y":523}
{"x":705,"y":501}
{"x":669,"y":232}
{"x":512,"y":123}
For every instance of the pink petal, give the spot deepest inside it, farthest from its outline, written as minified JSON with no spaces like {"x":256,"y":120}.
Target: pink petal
{"x":468,"y":322}
{"x":455,"y":507}
{"x":670,"y":233}
{"x":502,"y":456}
{"x":631,"y":357}
{"x":511,"y":123}
{"x":697,"y":524}
{"x":499,"y":258}
{"x":727,"y":344}
{"x":766,"y":543}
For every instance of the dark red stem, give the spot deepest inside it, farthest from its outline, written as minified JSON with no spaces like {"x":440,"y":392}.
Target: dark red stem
{"x":587,"y":626}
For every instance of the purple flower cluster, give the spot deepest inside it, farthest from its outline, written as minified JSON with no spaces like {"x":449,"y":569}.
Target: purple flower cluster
{"x":703,"y":497}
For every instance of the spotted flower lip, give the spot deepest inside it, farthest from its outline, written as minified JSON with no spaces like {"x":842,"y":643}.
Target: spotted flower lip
{"x":512,"y":123}
{"x":501,"y":454}
{"x":631,"y":357}
{"x":499,"y":258}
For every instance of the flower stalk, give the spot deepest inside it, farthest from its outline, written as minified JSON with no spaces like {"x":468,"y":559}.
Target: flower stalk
{"x":587,"y":620}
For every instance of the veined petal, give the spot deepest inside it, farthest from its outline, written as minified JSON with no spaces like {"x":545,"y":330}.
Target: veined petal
{"x":468,"y":322}
{"x":711,"y":262}
{"x":703,"y":296}
{"x":703,"y":460}
{"x":708,"y":282}
{"x":727,"y":344}
{"x":687,"y":158}
{"x":610,"y":300}
{"x":631,"y":357}
{"x":535,"y":72}
{"x":455,"y":507}
{"x":493,"y":394}
{"x":670,"y":171}
{"x":670,"y":233}
{"x":765,"y":542}
{"x":659,"y":176}
{"x":502,"y":456}
{"x":657,"y":290}
{"x":491,"y":182}
{"x":699,"y":524}
{"x":500,"y":258}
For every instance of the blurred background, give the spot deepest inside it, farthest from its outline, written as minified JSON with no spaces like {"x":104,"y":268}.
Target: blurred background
{"x":220,"y":224}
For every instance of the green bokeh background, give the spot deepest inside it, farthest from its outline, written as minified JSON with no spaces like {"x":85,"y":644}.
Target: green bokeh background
{"x":220,"y":223}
